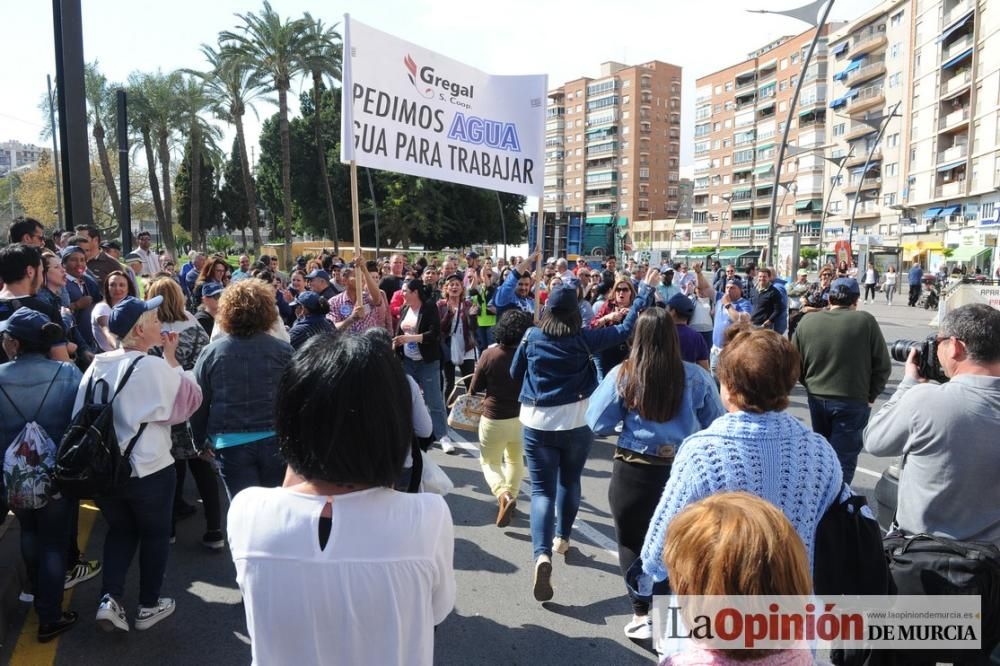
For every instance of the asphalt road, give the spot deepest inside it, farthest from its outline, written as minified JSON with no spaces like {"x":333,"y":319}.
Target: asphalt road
{"x":495,"y":621}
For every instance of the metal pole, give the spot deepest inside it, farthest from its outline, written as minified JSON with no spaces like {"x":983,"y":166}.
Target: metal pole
{"x":55,"y":152}
{"x":371,"y":190}
{"x":864,"y":171}
{"x":75,"y":156}
{"x":829,"y":196}
{"x":126,"y":206}
{"x":729,"y":206}
{"x":503,"y":226}
{"x":788,"y":126}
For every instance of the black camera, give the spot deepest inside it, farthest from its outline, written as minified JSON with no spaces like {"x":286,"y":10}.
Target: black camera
{"x":927,"y":361}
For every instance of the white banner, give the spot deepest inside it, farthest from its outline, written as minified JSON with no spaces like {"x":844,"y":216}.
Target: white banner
{"x":413,"y":111}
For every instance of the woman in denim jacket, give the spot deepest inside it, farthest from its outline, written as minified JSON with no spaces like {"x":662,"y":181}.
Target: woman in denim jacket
{"x":555,"y":362}
{"x":44,"y":391}
{"x":660,"y":400}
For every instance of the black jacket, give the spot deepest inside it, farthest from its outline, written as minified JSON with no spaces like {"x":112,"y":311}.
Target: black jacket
{"x":428,"y":324}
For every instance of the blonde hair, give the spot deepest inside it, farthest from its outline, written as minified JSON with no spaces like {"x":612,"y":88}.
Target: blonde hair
{"x":144,"y":320}
{"x":247,"y":308}
{"x":172,"y":308}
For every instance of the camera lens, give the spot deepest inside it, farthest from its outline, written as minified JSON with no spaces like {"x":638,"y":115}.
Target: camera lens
{"x":900,"y":349}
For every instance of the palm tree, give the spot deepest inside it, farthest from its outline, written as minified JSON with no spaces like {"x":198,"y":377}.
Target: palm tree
{"x":141,"y":118}
{"x":322,"y":57}
{"x":271,"y":45}
{"x":232,"y":85}
{"x":159,"y":94}
{"x":192,"y":101}
{"x":100,"y":110}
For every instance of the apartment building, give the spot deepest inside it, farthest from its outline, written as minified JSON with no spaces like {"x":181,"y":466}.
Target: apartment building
{"x":612,"y":144}
{"x":15,"y":154}
{"x":953,"y":136}
{"x":739,"y":119}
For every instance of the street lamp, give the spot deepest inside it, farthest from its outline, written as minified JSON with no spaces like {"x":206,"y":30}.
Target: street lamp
{"x":864,"y":171}
{"x":806,"y":13}
{"x":728,"y":198}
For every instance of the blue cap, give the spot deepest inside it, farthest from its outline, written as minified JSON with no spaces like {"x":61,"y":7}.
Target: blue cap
{"x":571,"y":282}
{"x":562,"y":298}
{"x":127,"y":312}
{"x":845,"y":287}
{"x":70,"y":249}
{"x":681,"y":304}
{"x":25,"y":324}
{"x":309,"y":300}
{"x":318,"y":273}
{"x":211,"y":290}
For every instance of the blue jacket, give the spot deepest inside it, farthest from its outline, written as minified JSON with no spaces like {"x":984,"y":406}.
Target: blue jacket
{"x":507,"y":298}
{"x":25,"y":380}
{"x":306,"y":327}
{"x":559,"y":371}
{"x":239,"y":384}
{"x":699,"y":407}
{"x":781,"y":321}
{"x":916,"y":275}
{"x":82,"y":317}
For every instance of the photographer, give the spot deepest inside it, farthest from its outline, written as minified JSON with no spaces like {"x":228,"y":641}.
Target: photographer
{"x":948,"y":432}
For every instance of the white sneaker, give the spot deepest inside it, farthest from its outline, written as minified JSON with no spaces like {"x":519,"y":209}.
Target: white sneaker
{"x":110,"y":615}
{"x":150,"y":615}
{"x":447,"y":445}
{"x":542,"y":588}
{"x":560,"y":545}
{"x":26,"y":597}
{"x":640,"y":628}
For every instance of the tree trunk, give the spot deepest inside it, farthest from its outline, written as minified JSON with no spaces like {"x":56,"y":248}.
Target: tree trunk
{"x":321,"y":154}
{"x":166,"y":233}
{"x":248,"y":186}
{"x":286,"y":169}
{"x":196,"y":240}
{"x":164,"y":155}
{"x":109,"y":178}
{"x":243,"y":235}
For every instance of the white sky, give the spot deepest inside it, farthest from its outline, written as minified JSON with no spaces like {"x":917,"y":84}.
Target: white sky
{"x":562,"y":39}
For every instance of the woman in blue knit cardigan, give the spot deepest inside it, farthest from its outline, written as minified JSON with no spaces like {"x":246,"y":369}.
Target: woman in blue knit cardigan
{"x":756,"y":447}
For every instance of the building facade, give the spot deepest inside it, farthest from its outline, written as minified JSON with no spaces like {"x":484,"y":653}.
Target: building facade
{"x":740,"y":116}
{"x":15,"y":154}
{"x":613,"y":145}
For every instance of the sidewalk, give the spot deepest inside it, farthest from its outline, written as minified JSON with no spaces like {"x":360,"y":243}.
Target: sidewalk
{"x":13,"y":579}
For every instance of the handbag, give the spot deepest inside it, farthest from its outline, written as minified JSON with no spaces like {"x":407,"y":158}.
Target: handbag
{"x":466,"y":409}
{"x":848,"y":549}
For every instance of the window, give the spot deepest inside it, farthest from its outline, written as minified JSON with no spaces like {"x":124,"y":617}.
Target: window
{"x":643,"y":172}
{"x":895,"y":79}
{"x":892,"y":169}
{"x":783,"y":64}
{"x":889,"y":199}
{"x":783,"y":85}
{"x":892,"y":140}
{"x":718,"y":90}
{"x":729,"y":86}
{"x":894,"y":50}
{"x":794,"y":58}
{"x":839,"y":129}
{"x":895,"y":19}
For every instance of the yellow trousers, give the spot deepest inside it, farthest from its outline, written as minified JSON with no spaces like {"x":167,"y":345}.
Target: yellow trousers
{"x":502,"y":454}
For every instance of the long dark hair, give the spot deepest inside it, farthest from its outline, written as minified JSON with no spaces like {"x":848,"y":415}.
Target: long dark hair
{"x":651,"y":380}
{"x":561,"y":323}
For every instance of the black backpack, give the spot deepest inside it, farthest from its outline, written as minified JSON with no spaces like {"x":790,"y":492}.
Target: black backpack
{"x":89,"y":463}
{"x":848,"y":556}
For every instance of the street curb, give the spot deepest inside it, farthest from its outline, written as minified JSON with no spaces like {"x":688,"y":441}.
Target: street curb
{"x":13,"y":576}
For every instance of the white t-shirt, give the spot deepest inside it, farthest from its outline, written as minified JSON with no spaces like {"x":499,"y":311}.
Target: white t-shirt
{"x":870,"y":276}
{"x":558,"y":417}
{"x":409,"y":327}
{"x":372,"y":596}
{"x":102,"y":309}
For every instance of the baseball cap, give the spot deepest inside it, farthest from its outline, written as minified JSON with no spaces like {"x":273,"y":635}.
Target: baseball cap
{"x":25,"y":324}
{"x":318,"y":273}
{"x":211,"y":290}
{"x":682,"y":304}
{"x":127,"y":312}
{"x":802,"y":271}
{"x":111,"y":245}
{"x":562,"y":299}
{"x":453,"y":276}
{"x":309,"y":300}
{"x":70,"y":249}
{"x":133,"y":258}
{"x":735,"y":282}
{"x":845,"y":287}
{"x":471,"y":254}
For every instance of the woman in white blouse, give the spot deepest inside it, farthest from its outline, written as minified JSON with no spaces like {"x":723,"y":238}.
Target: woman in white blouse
{"x":336,"y":567}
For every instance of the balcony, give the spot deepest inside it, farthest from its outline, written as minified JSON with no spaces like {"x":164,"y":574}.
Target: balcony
{"x":954,"y":120}
{"x":868,"y":41}
{"x":870,"y":183}
{"x":555,"y":126}
{"x":957,"y":11}
{"x":956,"y":83}
{"x":958,"y":46}
{"x":952,"y":154}
{"x":745,"y":84}
{"x":865,"y":73}
{"x":859,"y":130}
{"x":868,"y":98}
{"x":859,"y":159}
{"x":867,"y":210}
{"x":950,"y":190}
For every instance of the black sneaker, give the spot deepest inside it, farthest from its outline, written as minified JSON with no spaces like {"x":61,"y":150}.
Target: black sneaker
{"x":213,"y":540}
{"x":46,"y":632}
{"x":81,"y":572}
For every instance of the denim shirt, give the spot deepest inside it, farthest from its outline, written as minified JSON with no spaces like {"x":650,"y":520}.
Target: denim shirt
{"x":25,"y":380}
{"x":559,"y":371}
{"x":507,"y":298}
{"x":239,"y":384}
{"x":699,"y":406}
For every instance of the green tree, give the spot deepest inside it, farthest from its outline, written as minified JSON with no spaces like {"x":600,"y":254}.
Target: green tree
{"x":235,"y":208}
{"x":141,"y":118}
{"x":207,"y":205}
{"x":271,"y":45}
{"x":322,"y":58}
{"x":192,"y":102}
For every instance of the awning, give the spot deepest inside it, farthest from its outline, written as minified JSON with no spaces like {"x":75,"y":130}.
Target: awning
{"x":809,"y":110}
{"x":761,"y":227}
{"x":968,"y":252}
{"x":922,"y":246}
{"x":598,"y":219}
{"x":736,"y":227}
{"x":765,"y":146}
{"x":950,"y":30}
{"x":742,"y":206}
{"x":842,"y":100}
{"x":948,"y":211}
{"x":854,"y":64}
{"x":730,"y":255}
{"x":744,"y":188}
{"x":957,"y":59}
{"x":809,"y":204}
{"x":742,"y":170}
{"x":951,"y":165}
{"x":813,"y":224}
{"x":763,"y":169}
{"x":840,"y":48}
{"x":931,"y":213}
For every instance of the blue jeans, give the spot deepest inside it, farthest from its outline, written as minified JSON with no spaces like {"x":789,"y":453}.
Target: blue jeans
{"x":140,"y":516}
{"x":255,"y":464}
{"x":555,"y":463}
{"x":427,"y":375}
{"x":44,"y":533}
{"x":843,"y":423}
{"x":484,"y":337}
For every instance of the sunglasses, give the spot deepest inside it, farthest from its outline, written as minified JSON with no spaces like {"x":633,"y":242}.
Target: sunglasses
{"x":622,"y":290}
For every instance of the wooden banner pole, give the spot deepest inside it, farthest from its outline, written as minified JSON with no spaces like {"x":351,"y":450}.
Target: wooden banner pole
{"x":359,"y":260}
{"x":539,"y":247}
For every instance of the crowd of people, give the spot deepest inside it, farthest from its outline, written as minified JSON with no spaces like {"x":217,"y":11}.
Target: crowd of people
{"x":688,"y":370}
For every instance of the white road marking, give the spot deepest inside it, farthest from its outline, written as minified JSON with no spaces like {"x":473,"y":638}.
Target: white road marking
{"x":868,"y":472}
{"x":584,"y":529}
